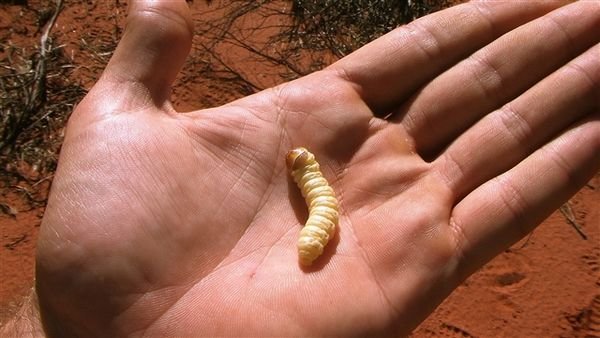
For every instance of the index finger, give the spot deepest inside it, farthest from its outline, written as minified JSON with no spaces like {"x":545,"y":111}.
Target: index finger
{"x":388,"y":70}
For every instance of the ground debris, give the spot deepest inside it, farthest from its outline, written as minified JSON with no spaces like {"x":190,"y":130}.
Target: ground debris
{"x":566,"y":210}
{"x":8,"y":209}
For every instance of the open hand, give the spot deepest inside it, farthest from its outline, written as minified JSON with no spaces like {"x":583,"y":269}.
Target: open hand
{"x":446,"y":140}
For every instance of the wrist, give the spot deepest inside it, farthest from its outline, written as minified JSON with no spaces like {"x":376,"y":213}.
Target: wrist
{"x":26,"y":322}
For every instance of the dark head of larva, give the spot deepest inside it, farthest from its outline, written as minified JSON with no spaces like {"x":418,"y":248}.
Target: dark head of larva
{"x":297,"y":158}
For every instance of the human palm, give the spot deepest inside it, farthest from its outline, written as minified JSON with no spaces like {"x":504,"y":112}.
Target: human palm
{"x":173,"y":224}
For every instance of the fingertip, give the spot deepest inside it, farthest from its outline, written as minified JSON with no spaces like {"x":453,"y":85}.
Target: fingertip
{"x":156,"y":41}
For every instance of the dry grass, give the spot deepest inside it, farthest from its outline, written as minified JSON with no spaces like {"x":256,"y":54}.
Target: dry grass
{"x":36,"y":98}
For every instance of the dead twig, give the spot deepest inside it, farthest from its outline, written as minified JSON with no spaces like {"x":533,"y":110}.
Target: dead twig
{"x":47,"y":178}
{"x":566,"y":210}
{"x":8,"y":209}
{"x":15,"y":242}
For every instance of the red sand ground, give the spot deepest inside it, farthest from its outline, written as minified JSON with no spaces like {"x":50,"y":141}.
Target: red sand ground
{"x":548,"y":285}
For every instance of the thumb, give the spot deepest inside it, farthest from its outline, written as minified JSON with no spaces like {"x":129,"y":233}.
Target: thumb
{"x":156,"y":41}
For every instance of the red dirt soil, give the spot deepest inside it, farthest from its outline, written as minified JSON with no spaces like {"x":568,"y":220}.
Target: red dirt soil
{"x":547,"y":285}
